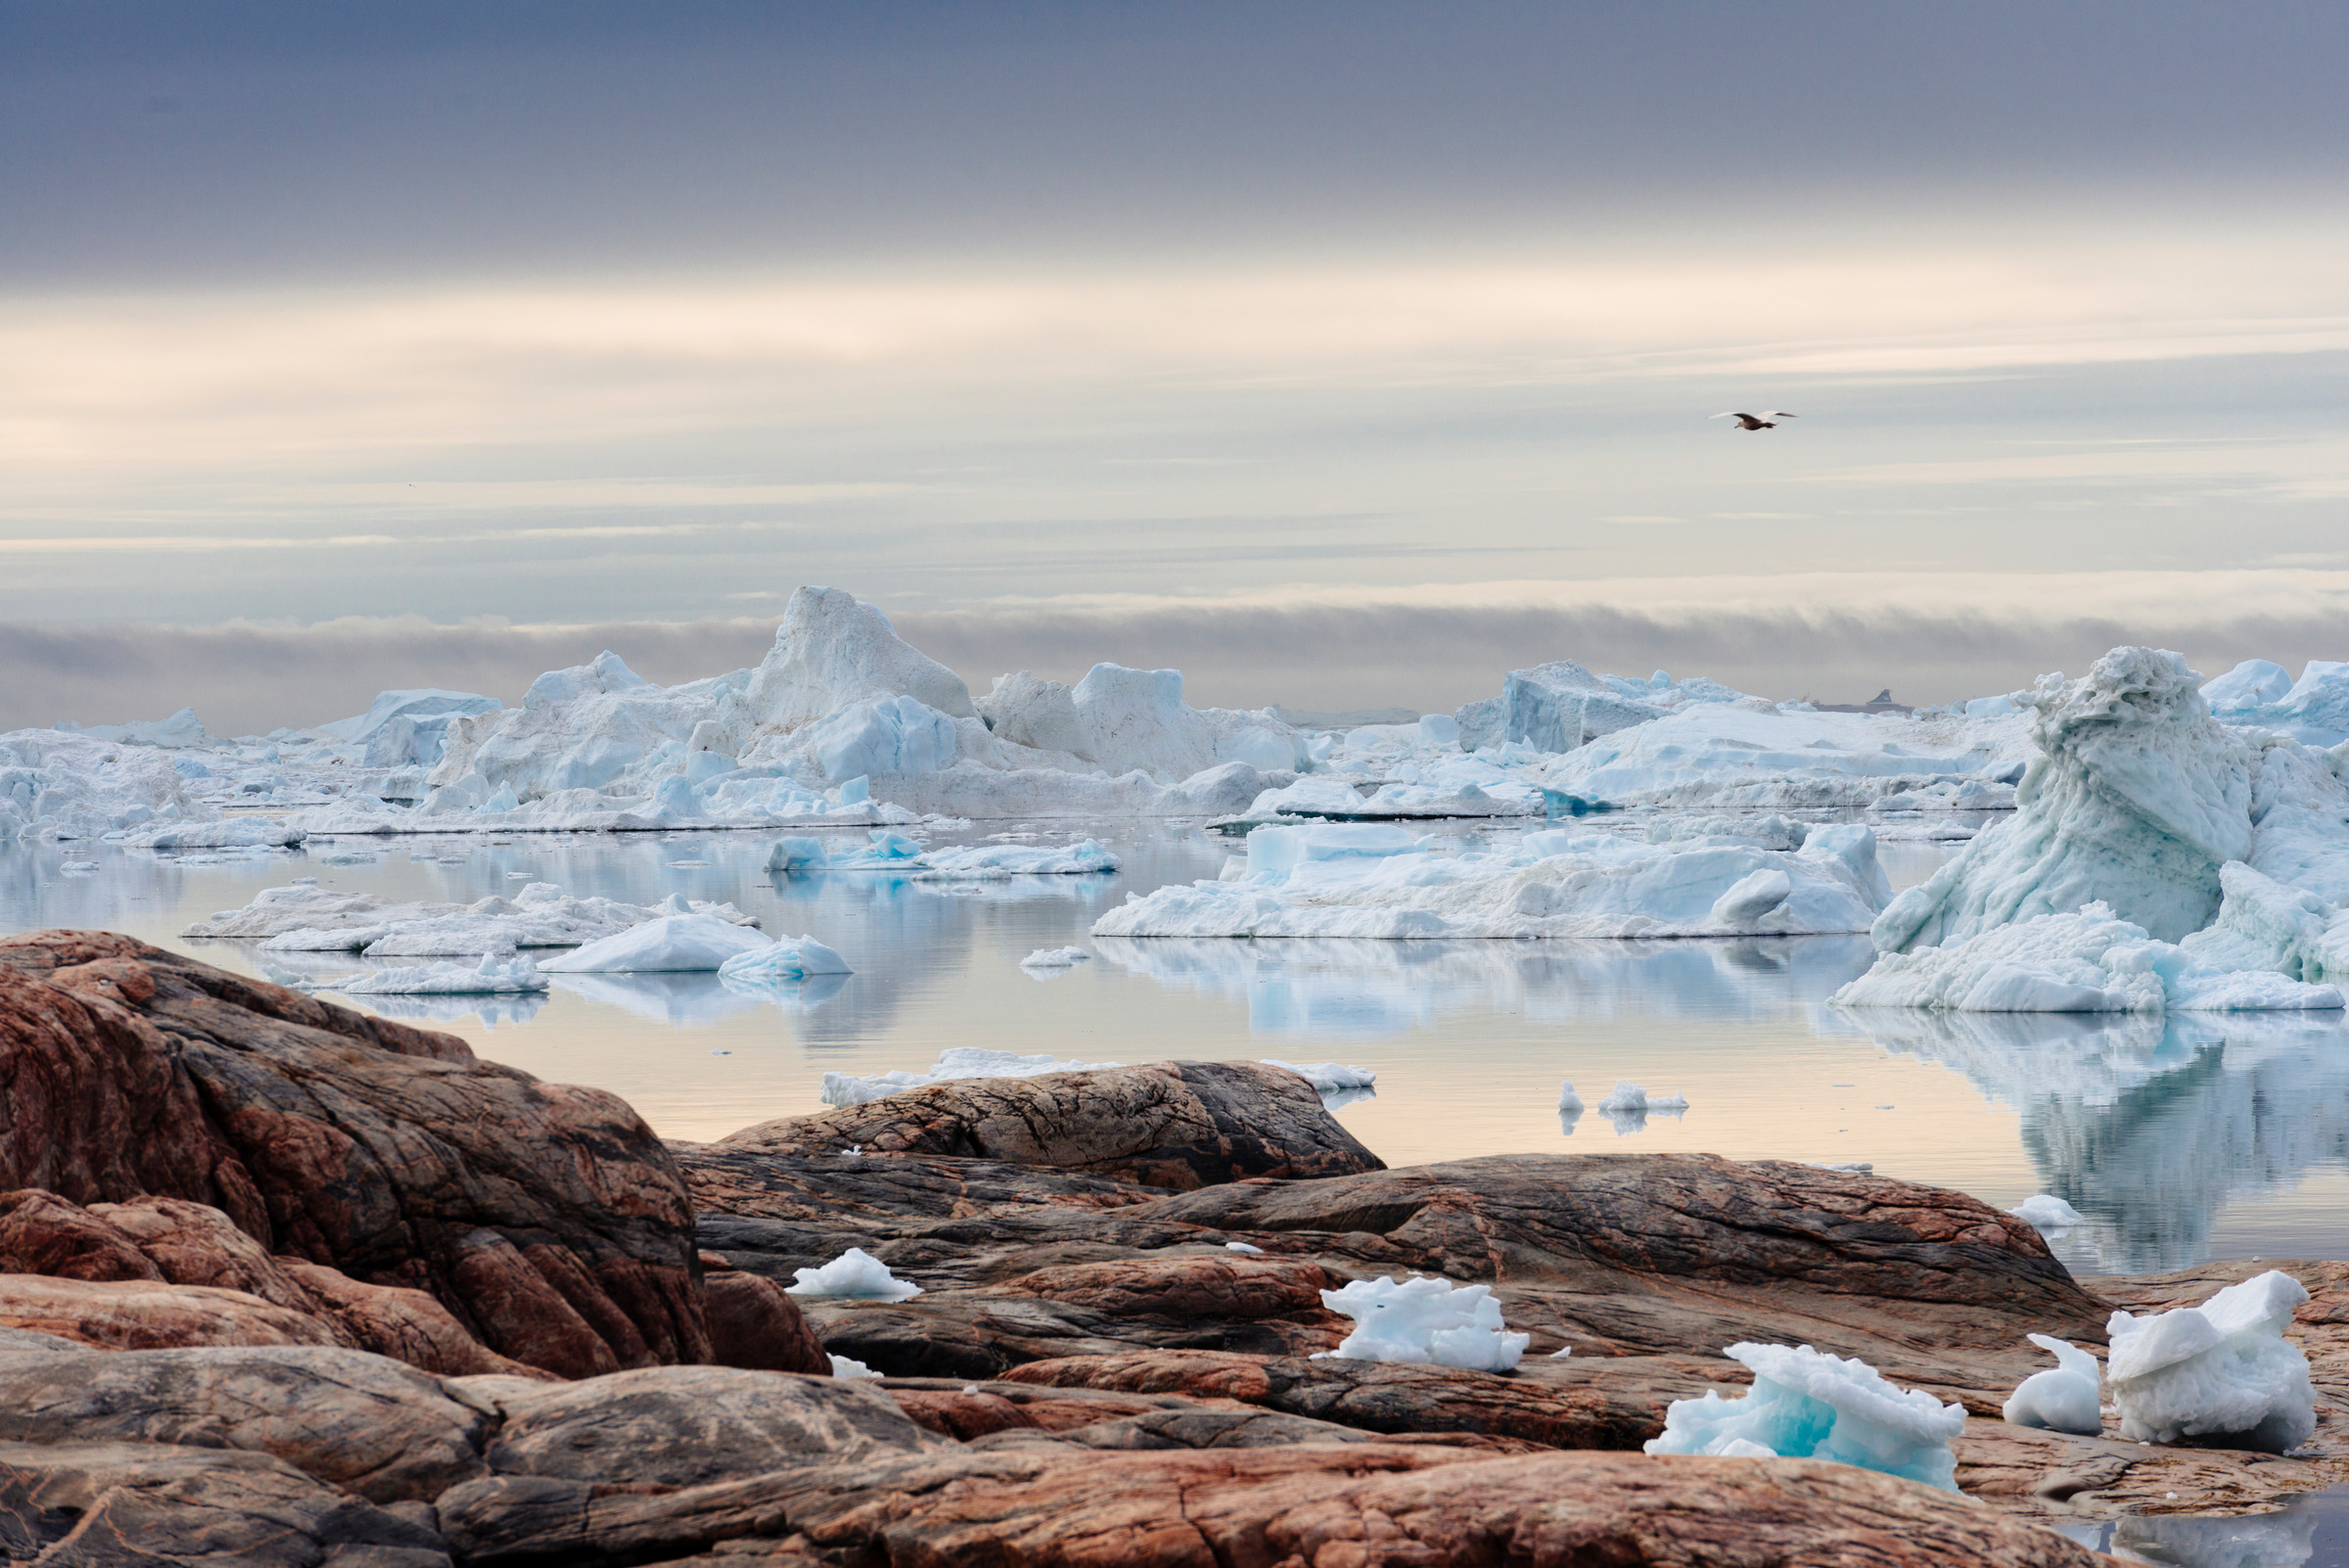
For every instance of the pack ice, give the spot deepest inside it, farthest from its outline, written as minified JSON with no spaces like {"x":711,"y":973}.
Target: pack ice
{"x":1806,"y":1404}
{"x":2157,"y":860}
{"x":1372,"y":880}
{"x":307,"y":918}
{"x":1424,"y":1320}
{"x":2219,"y":1376}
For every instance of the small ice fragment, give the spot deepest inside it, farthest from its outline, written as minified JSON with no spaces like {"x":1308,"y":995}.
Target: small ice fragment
{"x":2063,"y":1399}
{"x":1055,"y":958}
{"x":1424,"y":1320}
{"x":855,"y":1274}
{"x":1240,"y":1246}
{"x":855,"y":1151}
{"x":970,"y":1388}
{"x":1329,"y":1078}
{"x":1561,"y":1353}
{"x":1568,"y":1099}
{"x":845,"y":1367}
{"x":1850,"y":1167}
{"x":2045,"y":1211}
{"x":722,"y":1053}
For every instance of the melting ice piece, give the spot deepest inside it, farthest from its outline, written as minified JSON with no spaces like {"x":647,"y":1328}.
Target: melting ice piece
{"x":1055,"y":958}
{"x":2060,"y":1400}
{"x":1240,"y":1246}
{"x":1329,"y":1078}
{"x":2218,"y":1375}
{"x":1425,"y":1322}
{"x":849,"y":1367}
{"x":1629,"y":1106}
{"x":963,"y":1061}
{"x":673,"y":943}
{"x":1806,"y":1404}
{"x":790,"y":958}
{"x":857,"y":1274}
{"x":1568,"y":1100}
{"x":2046,"y":1212}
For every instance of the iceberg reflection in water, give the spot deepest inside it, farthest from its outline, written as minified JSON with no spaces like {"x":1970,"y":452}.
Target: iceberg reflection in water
{"x":2150,"y":1126}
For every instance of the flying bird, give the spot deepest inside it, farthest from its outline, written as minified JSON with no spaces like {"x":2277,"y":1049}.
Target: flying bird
{"x":1768,"y":419}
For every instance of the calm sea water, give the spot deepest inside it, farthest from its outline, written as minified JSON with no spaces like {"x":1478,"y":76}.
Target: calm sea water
{"x":2180,"y":1140}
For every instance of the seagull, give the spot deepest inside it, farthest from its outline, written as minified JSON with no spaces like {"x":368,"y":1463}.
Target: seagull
{"x":1768,"y":419}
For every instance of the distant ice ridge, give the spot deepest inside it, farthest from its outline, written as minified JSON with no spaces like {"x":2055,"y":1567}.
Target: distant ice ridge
{"x":899,"y":856}
{"x":1426,"y":1321}
{"x":2063,"y":1399}
{"x":2313,"y":710}
{"x":2158,"y":860}
{"x":1805,"y":1405}
{"x":962,"y":1061}
{"x":493,"y":975}
{"x":307,"y":918}
{"x":2220,"y":1375}
{"x":1376,"y":881}
{"x":855,"y":1274}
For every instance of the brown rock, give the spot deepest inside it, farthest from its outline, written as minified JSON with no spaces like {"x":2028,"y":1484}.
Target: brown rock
{"x":146,"y":1315}
{"x":41,"y":1234}
{"x":1179,"y":1125}
{"x":754,"y":1323}
{"x":1189,"y":1286}
{"x":547,"y":1218}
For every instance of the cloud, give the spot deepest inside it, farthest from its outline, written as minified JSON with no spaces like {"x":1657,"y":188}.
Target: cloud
{"x":1315,"y":654}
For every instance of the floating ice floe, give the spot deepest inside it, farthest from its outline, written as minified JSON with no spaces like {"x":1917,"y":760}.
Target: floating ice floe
{"x":962,"y":1061}
{"x":2063,"y":1399}
{"x":857,"y":1275}
{"x":670,"y":943}
{"x":1628,"y":1106}
{"x":902,"y":857}
{"x":1339,"y":800}
{"x":788,"y":958}
{"x":1805,"y":1405}
{"x":1329,"y":1078}
{"x":1056,"y":958}
{"x":2046,"y":1212}
{"x":1376,"y":881}
{"x":849,"y":1368}
{"x":491,"y":976}
{"x":2087,"y":961}
{"x":307,"y":918}
{"x":1426,"y":1321}
{"x":2220,"y":1375}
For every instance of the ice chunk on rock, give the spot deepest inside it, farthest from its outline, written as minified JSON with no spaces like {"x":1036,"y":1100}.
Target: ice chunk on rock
{"x":963,"y":1061}
{"x":2063,"y":1399}
{"x":673,"y":943}
{"x":2043,"y":1211}
{"x":849,"y":1368}
{"x":2218,"y":1375}
{"x":1425,"y":1322}
{"x":789,"y":959}
{"x":855,"y":1274}
{"x":1806,"y":1404}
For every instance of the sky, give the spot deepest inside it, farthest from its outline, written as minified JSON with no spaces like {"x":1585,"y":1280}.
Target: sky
{"x":1341,"y":356}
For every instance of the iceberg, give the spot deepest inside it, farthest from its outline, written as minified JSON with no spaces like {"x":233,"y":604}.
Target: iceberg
{"x":1374,"y":881}
{"x":2046,"y":1212}
{"x":2063,"y":1399}
{"x":493,"y":975}
{"x":1425,"y":1322}
{"x":670,"y":943}
{"x":1805,"y":1405}
{"x":2218,"y":1375}
{"x":1628,"y":1107}
{"x":899,"y":856}
{"x":961,"y":1061}
{"x":855,"y":1274}
{"x":305,"y":917}
{"x":786,"y":959}
{"x":1056,"y":958}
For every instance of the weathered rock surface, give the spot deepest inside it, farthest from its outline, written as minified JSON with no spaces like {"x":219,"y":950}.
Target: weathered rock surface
{"x":547,"y":1218}
{"x":1179,"y":1125}
{"x":102,"y":1505}
{"x":754,"y":1322}
{"x":145,"y":1314}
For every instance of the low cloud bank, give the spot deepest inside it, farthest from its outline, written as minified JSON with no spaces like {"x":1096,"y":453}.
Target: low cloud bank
{"x":250,"y":678}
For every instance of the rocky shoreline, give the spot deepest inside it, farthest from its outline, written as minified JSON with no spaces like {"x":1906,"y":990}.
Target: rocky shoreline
{"x":283,"y":1283}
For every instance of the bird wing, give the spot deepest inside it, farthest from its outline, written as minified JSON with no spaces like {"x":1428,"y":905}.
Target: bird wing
{"x":1728,"y":416}
{"x":1778,"y":413}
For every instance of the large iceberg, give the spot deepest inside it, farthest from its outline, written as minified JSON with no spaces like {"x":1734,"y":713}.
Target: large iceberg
{"x":670,"y":943}
{"x":2313,"y":710}
{"x":2218,"y":1375}
{"x":1806,"y":1404}
{"x":1369,"y":880}
{"x":1426,"y":1321}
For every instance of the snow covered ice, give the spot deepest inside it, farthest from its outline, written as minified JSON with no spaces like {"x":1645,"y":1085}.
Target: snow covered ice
{"x":855,"y":1274}
{"x":1805,"y":1405}
{"x":671,"y":943}
{"x":2063,"y":1399}
{"x":2220,"y":1375}
{"x":848,"y":1368}
{"x":1376,"y":881}
{"x":961,"y":1061}
{"x":1426,"y":1321}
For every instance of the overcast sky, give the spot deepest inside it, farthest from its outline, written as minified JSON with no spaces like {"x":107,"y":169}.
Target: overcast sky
{"x":1376,"y":341}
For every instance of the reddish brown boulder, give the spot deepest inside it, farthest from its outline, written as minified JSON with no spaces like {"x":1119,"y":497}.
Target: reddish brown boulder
{"x":547,"y":1218}
{"x":1179,"y":1125}
{"x":151,"y":1314}
{"x":754,"y":1323}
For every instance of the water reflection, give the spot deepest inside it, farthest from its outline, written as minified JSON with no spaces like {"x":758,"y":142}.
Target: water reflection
{"x":2148,"y":1125}
{"x":1338,"y":990}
